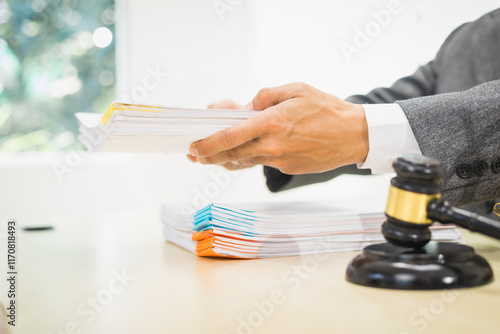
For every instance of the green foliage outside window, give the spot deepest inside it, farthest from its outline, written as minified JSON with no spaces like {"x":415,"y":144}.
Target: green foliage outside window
{"x":57,"y":57}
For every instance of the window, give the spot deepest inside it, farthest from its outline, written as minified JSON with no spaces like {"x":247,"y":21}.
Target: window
{"x":57,"y":57}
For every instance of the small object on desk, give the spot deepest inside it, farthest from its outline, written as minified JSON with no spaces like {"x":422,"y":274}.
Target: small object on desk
{"x":37,"y":228}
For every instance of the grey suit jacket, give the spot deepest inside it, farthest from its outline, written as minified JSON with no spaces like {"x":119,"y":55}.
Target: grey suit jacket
{"x":453,"y":107}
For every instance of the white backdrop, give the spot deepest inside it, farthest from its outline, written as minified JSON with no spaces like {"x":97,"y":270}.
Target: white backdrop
{"x":215,"y":49}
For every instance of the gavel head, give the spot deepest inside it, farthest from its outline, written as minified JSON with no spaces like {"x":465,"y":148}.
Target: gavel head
{"x":410,"y":192}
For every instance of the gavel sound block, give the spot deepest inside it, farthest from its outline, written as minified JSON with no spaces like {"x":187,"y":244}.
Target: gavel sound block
{"x":410,"y":260}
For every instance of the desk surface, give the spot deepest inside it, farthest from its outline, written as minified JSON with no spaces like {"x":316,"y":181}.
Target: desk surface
{"x":117,"y":275}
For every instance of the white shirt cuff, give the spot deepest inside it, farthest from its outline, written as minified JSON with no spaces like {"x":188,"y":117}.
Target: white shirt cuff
{"x":389,"y":135}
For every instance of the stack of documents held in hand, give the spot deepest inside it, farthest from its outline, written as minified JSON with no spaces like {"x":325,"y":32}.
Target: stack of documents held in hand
{"x":140,"y":128}
{"x":278,"y":229}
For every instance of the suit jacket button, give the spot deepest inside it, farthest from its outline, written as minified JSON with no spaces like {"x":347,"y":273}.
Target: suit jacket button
{"x":495,"y":165}
{"x":480,"y":167}
{"x":464,"y":171}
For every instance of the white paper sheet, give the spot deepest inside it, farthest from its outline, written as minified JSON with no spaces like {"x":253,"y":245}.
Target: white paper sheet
{"x":135,"y":128}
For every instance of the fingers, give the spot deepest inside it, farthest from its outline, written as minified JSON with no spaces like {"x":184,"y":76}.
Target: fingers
{"x":248,"y":106}
{"x":237,"y":165}
{"x":234,"y":165}
{"x":250,"y":129}
{"x":240,"y":153}
{"x":268,"y":97}
{"x":224,"y":104}
{"x":229,"y":138}
{"x":241,"y":164}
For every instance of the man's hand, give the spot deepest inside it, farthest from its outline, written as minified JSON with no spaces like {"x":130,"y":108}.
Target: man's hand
{"x":299,"y":130}
{"x":230,"y":165}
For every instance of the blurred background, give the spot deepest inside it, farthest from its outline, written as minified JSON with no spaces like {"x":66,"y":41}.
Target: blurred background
{"x":59,"y":57}
{"x":56,"y":57}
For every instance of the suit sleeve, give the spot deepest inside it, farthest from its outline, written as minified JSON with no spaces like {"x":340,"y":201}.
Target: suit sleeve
{"x":421,"y":83}
{"x":461,"y":129}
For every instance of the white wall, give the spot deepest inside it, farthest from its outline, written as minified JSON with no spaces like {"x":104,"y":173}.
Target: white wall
{"x":257,"y":43}
{"x":301,"y":40}
{"x":207,"y":57}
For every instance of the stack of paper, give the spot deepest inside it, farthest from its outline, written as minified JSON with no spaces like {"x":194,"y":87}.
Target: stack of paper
{"x":271,"y":230}
{"x":139,"y":128}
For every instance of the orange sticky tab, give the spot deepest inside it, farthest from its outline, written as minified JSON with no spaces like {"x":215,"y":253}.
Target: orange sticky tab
{"x":196,"y":236}
{"x":204,"y":244}
{"x":211,"y":253}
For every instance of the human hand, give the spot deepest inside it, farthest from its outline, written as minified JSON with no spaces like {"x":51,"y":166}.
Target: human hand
{"x":230,"y":165}
{"x":299,"y":130}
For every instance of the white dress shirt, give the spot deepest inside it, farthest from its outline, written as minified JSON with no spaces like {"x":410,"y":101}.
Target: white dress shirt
{"x":389,"y":135}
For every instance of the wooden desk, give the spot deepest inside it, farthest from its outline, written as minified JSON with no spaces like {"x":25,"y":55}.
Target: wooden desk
{"x":83,"y":263}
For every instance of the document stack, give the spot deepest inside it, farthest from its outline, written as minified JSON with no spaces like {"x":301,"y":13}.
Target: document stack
{"x":272,"y":230}
{"x":140,"y":128}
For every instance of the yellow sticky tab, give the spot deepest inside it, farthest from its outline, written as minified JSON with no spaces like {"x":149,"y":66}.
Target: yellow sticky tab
{"x":107,"y":115}
{"x":124,"y":106}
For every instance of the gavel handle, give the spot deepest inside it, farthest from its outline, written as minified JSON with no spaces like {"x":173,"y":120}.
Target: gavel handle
{"x":443,"y":212}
